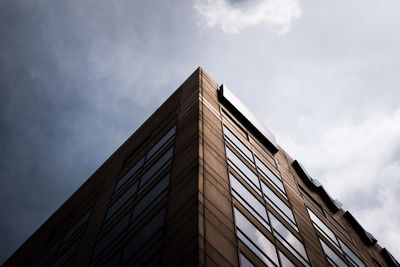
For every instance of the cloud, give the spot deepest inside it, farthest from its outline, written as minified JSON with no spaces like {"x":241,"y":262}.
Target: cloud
{"x":234,"y":16}
{"x":359,"y":164}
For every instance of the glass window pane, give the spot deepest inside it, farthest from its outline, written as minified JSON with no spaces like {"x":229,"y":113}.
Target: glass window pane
{"x":66,"y":257}
{"x":248,"y":175}
{"x":271,"y":177}
{"x":250,"y":202}
{"x":290,"y":241}
{"x":150,"y":200}
{"x":353,"y":258}
{"x":285,"y":262}
{"x":324,"y":230}
{"x":163,"y":142}
{"x":144,"y":239}
{"x":242,"y":148}
{"x":254,"y":239}
{"x":114,"y":260}
{"x":154,"y":261}
{"x":332,"y":256}
{"x":49,"y":255}
{"x":76,"y":227}
{"x":278,"y":205}
{"x":244,"y":261}
{"x":129,"y":175}
{"x":160,"y":165}
{"x":115,"y":234}
{"x":122,"y":201}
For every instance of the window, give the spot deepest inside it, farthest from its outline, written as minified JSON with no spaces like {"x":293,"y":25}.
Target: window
{"x":335,"y":241}
{"x":250,"y":202}
{"x":240,"y":147}
{"x":244,"y":261}
{"x":270,"y":177}
{"x":150,"y":200}
{"x":112,"y":237}
{"x":331,"y":256}
{"x":289,"y":240}
{"x":121,"y":202}
{"x":255,"y":240}
{"x":349,"y":254}
{"x":278,"y":205}
{"x":247,"y":174}
{"x":76,"y":228}
{"x":128,"y":176}
{"x":62,"y":252}
{"x":159,"y":166}
{"x":285,"y":262}
{"x":163,"y":142}
{"x":144,"y":239}
{"x":324,"y":230}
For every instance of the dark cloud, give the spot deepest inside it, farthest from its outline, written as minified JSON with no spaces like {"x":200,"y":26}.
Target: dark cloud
{"x":78,"y":77}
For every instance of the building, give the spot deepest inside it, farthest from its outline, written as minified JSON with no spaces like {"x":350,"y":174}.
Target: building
{"x":201,"y":183}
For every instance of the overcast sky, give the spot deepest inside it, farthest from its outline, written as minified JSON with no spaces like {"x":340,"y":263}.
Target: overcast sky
{"x":78,"y":77}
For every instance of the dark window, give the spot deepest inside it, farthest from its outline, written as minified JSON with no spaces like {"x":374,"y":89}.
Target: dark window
{"x":159,"y":166}
{"x":278,"y":205}
{"x":65,"y":258}
{"x":250,"y":202}
{"x":122,"y":201}
{"x":255,"y":240}
{"x":290,"y":241}
{"x":144,"y":239}
{"x":114,"y":260}
{"x":76,"y":228}
{"x":128,"y":176}
{"x":112,"y":237}
{"x":150,"y":200}
{"x":49,"y":255}
{"x":163,"y":142}
{"x":240,"y":147}
{"x":247,"y":174}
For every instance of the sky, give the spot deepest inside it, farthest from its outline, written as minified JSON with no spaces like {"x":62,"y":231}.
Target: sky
{"x":78,"y":77}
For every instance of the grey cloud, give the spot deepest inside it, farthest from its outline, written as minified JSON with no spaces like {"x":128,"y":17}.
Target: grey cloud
{"x":78,"y":77}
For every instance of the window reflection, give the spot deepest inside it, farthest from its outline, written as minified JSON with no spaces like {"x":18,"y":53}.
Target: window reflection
{"x":240,"y":147}
{"x":255,"y":240}
{"x":323,"y":229}
{"x":250,"y":202}
{"x":278,"y":205}
{"x":244,"y":261}
{"x":285,"y":262}
{"x":248,"y":175}
{"x":331,"y":256}
{"x":270,"y":177}
{"x":289,"y":240}
{"x":353,"y":258}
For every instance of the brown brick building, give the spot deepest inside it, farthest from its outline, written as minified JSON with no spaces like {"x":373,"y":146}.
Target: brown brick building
{"x":201,"y":183}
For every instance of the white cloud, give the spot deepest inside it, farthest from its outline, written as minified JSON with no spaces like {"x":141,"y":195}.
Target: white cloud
{"x":277,"y":15}
{"x":359,"y":164}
